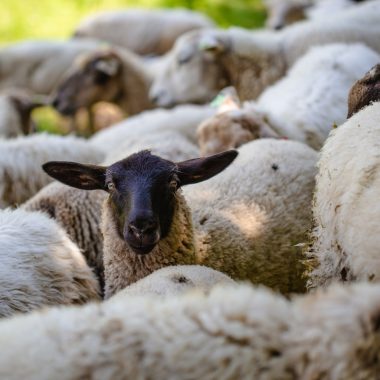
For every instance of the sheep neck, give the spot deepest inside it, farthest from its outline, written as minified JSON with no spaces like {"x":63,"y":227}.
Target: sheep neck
{"x":133,"y":96}
{"x":123,"y":267}
{"x":250,"y":76}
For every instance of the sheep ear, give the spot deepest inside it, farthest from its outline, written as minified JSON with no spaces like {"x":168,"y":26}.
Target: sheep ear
{"x":200,"y":169}
{"x":108,"y":66}
{"x":86,"y":177}
{"x":211,"y":44}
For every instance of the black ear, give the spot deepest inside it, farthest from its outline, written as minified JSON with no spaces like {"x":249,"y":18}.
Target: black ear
{"x":200,"y":169}
{"x":86,"y":177}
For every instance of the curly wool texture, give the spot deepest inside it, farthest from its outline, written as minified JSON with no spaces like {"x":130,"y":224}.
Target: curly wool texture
{"x":232,"y":333}
{"x":175,"y":280}
{"x":21,"y":175}
{"x":346,"y":208}
{"x":78,"y":213}
{"x":40,"y":265}
{"x":39,"y":65}
{"x":127,"y":28}
{"x":248,"y":219}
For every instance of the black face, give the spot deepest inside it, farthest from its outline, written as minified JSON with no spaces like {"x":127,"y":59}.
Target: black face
{"x":142,"y":190}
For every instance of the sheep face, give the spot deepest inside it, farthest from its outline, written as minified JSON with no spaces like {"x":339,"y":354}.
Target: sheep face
{"x":229,"y":130}
{"x":365,"y":91}
{"x":282,"y":13}
{"x":142,"y":190}
{"x":192,"y":72}
{"x":92,"y":79}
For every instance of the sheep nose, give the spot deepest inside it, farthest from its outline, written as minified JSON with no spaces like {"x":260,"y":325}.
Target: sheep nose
{"x":141,"y":228}
{"x":278,"y":27}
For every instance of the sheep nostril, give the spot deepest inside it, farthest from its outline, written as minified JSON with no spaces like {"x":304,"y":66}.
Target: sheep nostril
{"x":278,"y":27}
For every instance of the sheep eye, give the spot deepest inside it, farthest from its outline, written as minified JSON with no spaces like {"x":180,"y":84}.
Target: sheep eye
{"x":173,"y":184}
{"x":110,"y":186}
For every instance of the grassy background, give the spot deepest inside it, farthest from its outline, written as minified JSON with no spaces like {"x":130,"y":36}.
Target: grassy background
{"x":56,"y":19}
{"x":28,"y":19}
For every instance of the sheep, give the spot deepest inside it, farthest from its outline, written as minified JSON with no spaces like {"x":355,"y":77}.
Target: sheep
{"x":201,"y":63}
{"x":15,"y":113}
{"x":256,"y":211}
{"x":175,"y":280}
{"x":79,"y":212}
{"x":284,"y":12}
{"x":345,"y":240}
{"x":21,"y":159}
{"x":127,"y":28}
{"x":40,"y":265}
{"x":107,"y":74}
{"x":38,"y":65}
{"x":302,"y":106}
{"x":183,"y":119}
{"x":364,"y":91}
{"x":232,"y":333}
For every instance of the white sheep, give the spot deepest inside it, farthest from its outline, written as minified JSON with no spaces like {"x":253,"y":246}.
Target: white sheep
{"x":40,"y":265}
{"x":175,"y":280}
{"x":346,"y":209}
{"x":302,"y":106}
{"x":106,"y":74}
{"x":127,"y":28}
{"x":231,"y":333}
{"x":183,"y":119}
{"x":15,"y":113}
{"x":21,"y":175}
{"x":38,"y":65}
{"x":201,"y":63}
{"x":244,"y":222}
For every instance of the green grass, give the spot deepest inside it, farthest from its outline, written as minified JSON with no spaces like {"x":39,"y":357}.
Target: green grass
{"x":22,"y":19}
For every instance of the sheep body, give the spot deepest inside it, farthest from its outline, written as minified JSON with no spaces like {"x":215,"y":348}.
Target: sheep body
{"x":175,"y":280}
{"x":302,"y":106}
{"x":238,"y":332}
{"x":346,"y":212}
{"x":40,"y":265}
{"x":78,"y":213}
{"x":38,"y":65}
{"x":21,"y":175}
{"x":183,"y":119}
{"x":127,"y":28}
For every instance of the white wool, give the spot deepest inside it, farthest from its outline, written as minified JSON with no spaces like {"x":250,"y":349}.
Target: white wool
{"x":38,"y":65}
{"x":39,"y":264}
{"x":232,"y":333}
{"x":183,"y":119}
{"x":346,"y":208}
{"x":21,"y":174}
{"x":312,"y":97}
{"x":175,"y":280}
{"x":127,"y":28}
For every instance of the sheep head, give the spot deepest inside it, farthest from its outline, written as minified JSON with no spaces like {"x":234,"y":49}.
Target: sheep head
{"x":229,"y":130}
{"x":141,"y":189}
{"x":92,"y":78}
{"x":192,"y":72}
{"x":365,"y":91}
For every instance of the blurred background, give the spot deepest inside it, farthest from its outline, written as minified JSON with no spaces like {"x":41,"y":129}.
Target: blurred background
{"x":23,"y":19}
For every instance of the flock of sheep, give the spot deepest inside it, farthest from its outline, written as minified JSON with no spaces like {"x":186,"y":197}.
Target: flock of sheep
{"x":247,"y":155}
